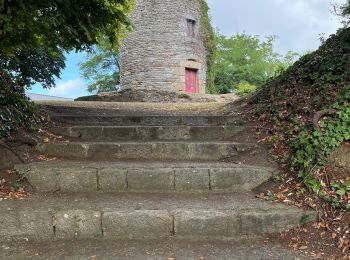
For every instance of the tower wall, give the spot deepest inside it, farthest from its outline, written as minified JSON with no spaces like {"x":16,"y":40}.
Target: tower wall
{"x":156,"y":54}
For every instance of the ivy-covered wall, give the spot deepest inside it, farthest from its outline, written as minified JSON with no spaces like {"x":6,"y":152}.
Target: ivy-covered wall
{"x":210,"y":45}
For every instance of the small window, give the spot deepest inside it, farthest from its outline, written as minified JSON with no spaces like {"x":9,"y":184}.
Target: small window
{"x":190,"y":27}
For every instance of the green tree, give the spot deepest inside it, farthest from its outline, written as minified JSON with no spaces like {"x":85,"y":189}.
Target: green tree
{"x":101,"y":68}
{"x":34,"y":34}
{"x":246,"y":58}
{"x":343,"y":11}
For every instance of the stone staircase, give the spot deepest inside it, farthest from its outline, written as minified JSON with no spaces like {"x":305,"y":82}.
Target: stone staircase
{"x":132,"y":177}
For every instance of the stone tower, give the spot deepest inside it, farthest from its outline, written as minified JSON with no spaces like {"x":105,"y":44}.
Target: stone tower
{"x":166,"y":50}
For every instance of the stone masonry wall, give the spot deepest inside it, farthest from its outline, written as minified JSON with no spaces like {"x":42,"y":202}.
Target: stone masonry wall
{"x":156,"y":53}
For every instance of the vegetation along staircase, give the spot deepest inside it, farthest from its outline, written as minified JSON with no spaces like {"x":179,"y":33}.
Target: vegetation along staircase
{"x":146,"y":177}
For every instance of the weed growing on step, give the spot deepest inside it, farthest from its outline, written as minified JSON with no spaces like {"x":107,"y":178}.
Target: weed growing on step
{"x":77,"y":220}
{"x":18,"y":184}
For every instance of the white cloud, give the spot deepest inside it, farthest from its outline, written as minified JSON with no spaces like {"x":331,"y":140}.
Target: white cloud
{"x":297,"y":23}
{"x":69,"y":89}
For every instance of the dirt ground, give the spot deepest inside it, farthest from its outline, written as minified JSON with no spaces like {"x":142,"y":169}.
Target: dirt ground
{"x":327,"y":239}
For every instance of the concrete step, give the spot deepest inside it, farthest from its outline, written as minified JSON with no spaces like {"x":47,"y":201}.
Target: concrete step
{"x":136,"y":108}
{"x":157,"y":120}
{"x":145,"y":216}
{"x":152,"y":133}
{"x":147,"y":250}
{"x":72,"y":177}
{"x":162,"y":151}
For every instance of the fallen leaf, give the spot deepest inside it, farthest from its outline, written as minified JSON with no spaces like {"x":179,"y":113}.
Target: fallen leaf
{"x":323,"y":224}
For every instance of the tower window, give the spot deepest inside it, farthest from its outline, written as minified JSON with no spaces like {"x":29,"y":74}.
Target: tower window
{"x":190,"y":27}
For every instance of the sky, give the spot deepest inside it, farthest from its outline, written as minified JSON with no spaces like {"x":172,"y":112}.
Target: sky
{"x":297,"y":24}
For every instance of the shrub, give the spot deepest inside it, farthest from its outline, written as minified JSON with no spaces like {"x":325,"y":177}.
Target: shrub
{"x":317,"y":82}
{"x":245,"y":88}
{"x":16,"y":110}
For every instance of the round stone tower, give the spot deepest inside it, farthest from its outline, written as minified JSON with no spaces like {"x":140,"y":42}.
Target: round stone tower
{"x":166,"y":50}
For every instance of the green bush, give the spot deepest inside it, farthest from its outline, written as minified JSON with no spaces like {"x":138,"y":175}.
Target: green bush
{"x":245,"y":88}
{"x":223,"y":89}
{"x":312,"y":81}
{"x":317,"y":82}
{"x":16,"y":110}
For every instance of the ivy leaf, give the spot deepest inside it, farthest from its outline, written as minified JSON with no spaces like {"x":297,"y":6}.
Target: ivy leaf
{"x":341,"y":192}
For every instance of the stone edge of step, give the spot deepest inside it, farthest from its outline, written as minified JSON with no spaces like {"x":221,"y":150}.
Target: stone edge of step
{"x":224,"y":132}
{"x":87,"y":222}
{"x":150,"y":249}
{"x":148,"y":120}
{"x":138,"y":164}
{"x":109,"y":177}
{"x":175,"y":150}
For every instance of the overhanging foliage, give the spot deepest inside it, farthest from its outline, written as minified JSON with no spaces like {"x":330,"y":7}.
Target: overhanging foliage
{"x":34,"y":34}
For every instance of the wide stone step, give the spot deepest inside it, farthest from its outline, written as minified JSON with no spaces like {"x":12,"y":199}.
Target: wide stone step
{"x":150,"y":250}
{"x":152,"y":133}
{"x":159,"y":120}
{"x":162,"y":151}
{"x":71,"y":177}
{"x":145,"y":216}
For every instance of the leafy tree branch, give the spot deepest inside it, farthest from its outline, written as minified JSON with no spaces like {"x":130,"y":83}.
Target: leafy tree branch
{"x":101,"y":68}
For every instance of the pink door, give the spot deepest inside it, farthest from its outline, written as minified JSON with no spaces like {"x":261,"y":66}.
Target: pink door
{"x":191,"y":81}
